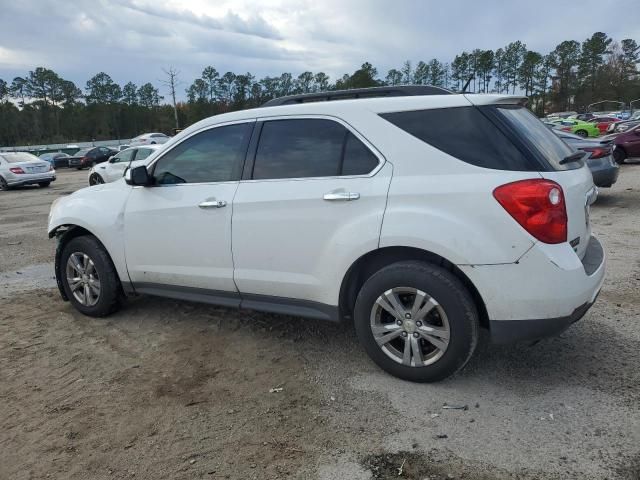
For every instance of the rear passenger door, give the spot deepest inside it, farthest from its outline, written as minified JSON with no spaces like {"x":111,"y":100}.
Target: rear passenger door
{"x":311,"y":201}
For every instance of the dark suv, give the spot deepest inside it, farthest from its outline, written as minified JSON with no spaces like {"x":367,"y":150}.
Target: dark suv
{"x":88,"y":157}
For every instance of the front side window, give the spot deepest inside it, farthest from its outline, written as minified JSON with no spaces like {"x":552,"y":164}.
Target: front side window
{"x":214,"y":155}
{"x":304,"y":148}
{"x":125,"y":156}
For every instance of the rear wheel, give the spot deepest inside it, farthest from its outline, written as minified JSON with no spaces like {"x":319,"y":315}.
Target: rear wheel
{"x":416,"y":321}
{"x":619,"y":155}
{"x":582,"y":133}
{"x":44,"y":184}
{"x":3,"y":184}
{"x":89,"y":278}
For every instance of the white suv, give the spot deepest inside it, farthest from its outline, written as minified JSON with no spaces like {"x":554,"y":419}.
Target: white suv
{"x":418,"y":214}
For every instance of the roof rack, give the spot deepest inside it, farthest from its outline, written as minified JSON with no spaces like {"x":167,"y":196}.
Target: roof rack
{"x":391,"y":91}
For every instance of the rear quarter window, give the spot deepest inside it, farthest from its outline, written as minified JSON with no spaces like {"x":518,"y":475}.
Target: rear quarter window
{"x":466,"y":134}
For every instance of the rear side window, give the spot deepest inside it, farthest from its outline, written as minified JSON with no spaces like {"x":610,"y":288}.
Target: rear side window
{"x":464,"y":133}
{"x":143,"y":153}
{"x":358,"y":159}
{"x":303,"y":148}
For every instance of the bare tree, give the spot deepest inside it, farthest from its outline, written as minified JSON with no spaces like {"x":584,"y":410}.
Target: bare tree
{"x":172,"y":81}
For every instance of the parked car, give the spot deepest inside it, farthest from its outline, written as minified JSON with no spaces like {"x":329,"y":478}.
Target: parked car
{"x":585,"y":117}
{"x":584,"y":129}
{"x":486,"y":223}
{"x":56,"y":159}
{"x":123,"y":147}
{"x":114,"y":168}
{"x":22,"y":168}
{"x":619,"y":127}
{"x":627,"y":144}
{"x":600,"y":160}
{"x":149,"y":139}
{"x":88,"y":157}
{"x":603,"y":123}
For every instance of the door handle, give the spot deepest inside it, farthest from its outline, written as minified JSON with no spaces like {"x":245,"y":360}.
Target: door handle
{"x":212,"y":204}
{"x":341,"y":196}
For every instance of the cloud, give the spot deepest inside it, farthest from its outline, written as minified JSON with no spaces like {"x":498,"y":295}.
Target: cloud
{"x":134,"y":39}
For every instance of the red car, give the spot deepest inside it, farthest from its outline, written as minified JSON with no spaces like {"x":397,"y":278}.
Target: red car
{"x":627,"y":144}
{"x":603,"y":123}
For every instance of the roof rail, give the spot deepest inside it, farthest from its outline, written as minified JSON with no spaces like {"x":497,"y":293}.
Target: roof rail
{"x":390,"y":91}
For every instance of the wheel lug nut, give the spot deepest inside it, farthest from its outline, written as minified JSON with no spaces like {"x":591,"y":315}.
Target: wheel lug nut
{"x":407,"y":315}
{"x":404,"y":334}
{"x":415,"y":334}
{"x":399,"y":322}
{"x":418,"y":323}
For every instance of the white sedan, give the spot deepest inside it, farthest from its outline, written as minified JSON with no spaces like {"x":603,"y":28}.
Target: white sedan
{"x":22,"y":168}
{"x":114,"y":168}
{"x":149,"y":139}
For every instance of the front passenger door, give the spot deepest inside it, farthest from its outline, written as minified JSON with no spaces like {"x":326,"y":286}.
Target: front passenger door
{"x":178,"y":231}
{"x":114,"y":168}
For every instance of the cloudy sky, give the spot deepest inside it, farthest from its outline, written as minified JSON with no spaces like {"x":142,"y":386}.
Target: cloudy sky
{"x":134,"y":39}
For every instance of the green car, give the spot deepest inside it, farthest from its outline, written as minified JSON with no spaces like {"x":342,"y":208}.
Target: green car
{"x":584,"y":129}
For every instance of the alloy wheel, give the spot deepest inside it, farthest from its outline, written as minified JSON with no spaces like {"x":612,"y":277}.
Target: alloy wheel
{"x":410,"y":326}
{"x":83,"y":279}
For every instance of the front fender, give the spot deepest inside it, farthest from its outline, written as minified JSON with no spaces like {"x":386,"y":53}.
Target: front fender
{"x":100,"y":211}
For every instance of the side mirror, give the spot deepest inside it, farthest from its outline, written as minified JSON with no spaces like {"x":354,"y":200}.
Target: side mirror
{"x":138,"y":176}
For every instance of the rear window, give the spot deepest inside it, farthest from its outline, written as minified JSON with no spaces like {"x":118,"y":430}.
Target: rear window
{"x":537,"y":138}
{"x":19,"y":157}
{"x":466,"y":134}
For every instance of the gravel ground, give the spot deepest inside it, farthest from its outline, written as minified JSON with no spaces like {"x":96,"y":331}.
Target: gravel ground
{"x":175,"y":390}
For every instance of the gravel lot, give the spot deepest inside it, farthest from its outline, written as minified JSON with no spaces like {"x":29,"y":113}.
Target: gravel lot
{"x":175,"y":390}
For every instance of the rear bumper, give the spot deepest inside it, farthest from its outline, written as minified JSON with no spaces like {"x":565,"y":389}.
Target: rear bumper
{"x":511,"y":331}
{"x":30,"y":179}
{"x":604,"y":174}
{"x":546,"y":291}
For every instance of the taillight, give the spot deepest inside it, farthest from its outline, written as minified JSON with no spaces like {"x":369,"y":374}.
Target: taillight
{"x":84,"y":159}
{"x":17,"y":170}
{"x":566,"y":129}
{"x":597,"y":152}
{"x":538,"y":206}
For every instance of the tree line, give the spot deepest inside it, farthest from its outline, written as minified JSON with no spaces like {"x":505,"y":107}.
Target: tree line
{"x":43,"y":107}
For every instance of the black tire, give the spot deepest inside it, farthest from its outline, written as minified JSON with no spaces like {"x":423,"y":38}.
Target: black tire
{"x":582,"y":133}
{"x":110,"y":296}
{"x":44,"y":184}
{"x":452,"y":296}
{"x":95,"y":179}
{"x":3,"y":184}
{"x":78,"y":168}
{"x":619,"y":155}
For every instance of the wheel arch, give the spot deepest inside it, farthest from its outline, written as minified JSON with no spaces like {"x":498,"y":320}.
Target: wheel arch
{"x":373,"y":261}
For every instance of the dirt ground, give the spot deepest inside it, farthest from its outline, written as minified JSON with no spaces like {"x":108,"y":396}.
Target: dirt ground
{"x":174,"y":390}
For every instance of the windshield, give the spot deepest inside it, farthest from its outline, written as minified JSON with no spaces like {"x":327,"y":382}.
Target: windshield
{"x":19,"y":157}
{"x":538,"y":137}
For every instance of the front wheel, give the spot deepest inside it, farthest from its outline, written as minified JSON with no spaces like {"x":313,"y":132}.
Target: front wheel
{"x":3,"y":184}
{"x":582,"y":133}
{"x":619,"y":155}
{"x":95,"y":179}
{"x":89,"y":278}
{"x":417,"y":321}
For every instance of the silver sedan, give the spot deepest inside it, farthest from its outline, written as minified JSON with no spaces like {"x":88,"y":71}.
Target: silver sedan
{"x":22,"y":168}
